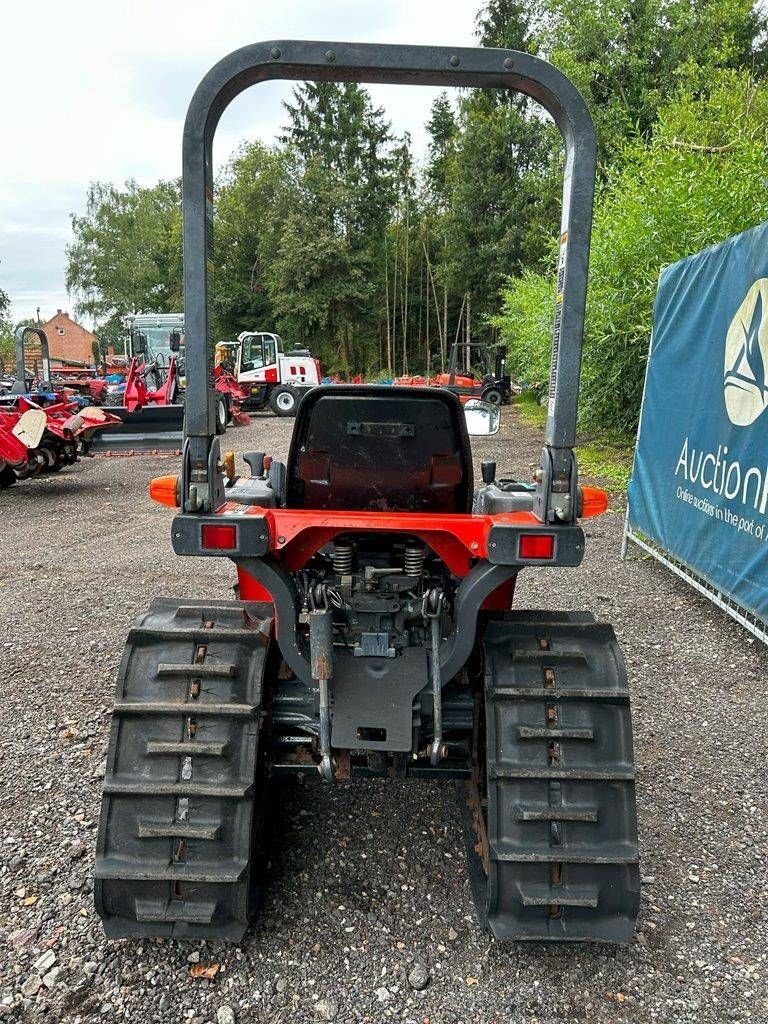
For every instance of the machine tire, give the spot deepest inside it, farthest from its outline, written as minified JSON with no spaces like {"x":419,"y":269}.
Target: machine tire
{"x":7,"y":477}
{"x":222,"y":414}
{"x":178,"y":847}
{"x":549,"y":813}
{"x":493,"y":396}
{"x":284,"y":401}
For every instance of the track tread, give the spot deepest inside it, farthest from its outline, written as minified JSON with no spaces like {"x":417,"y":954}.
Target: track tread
{"x":173,"y":853}
{"x":561,"y":818}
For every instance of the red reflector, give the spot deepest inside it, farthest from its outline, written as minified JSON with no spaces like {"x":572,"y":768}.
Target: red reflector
{"x":537,"y":545}
{"x":218,"y":537}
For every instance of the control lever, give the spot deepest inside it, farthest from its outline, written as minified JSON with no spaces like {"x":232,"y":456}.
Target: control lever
{"x":255,"y":462}
{"x":488,"y":471}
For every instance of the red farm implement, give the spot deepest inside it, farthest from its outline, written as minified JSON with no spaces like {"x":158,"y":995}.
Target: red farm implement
{"x":37,"y":440}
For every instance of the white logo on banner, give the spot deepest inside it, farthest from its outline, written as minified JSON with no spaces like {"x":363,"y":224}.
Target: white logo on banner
{"x":746,"y":357}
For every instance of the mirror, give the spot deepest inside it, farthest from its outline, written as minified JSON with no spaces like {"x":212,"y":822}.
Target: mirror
{"x":175,"y":341}
{"x":139,"y":344}
{"x":483,"y":419}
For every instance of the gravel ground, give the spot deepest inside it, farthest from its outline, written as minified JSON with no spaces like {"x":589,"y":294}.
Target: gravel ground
{"x":367,"y":897}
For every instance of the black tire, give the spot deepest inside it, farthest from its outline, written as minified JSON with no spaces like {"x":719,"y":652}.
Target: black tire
{"x":222,"y":414}
{"x":284,"y":401}
{"x":7,"y":477}
{"x":493,"y":396}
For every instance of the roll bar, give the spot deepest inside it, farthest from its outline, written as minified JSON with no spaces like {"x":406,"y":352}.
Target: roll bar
{"x":19,"y":338}
{"x":302,"y":60}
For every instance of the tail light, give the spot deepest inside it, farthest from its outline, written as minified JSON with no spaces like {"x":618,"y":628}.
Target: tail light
{"x":218,"y":537}
{"x":537,"y":545}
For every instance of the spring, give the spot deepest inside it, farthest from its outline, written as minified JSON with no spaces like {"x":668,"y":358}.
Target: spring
{"x":414,"y":559}
{"x":342,"y":558}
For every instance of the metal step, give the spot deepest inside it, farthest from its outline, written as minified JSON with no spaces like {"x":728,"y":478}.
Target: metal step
{"x":527,"y":732}
{"x":201,"y":670}
{"x":151,"y":789}
{"x":511,"y":693}
{"x":174,"y":910}
{"x":177,"y":830}
{"x":191,"y":749}
{"x":556,"y":814}
{"x":614,"y":774}
{"x":194,"y":709}
{"x":549,"y":657}
{"x":563,"y":896}
{"x":202,"y":872}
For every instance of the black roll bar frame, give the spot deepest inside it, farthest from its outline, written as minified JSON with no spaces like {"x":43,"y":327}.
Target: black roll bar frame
{"x":302,"y":60}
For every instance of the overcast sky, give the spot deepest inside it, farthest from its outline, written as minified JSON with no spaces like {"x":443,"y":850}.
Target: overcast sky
{"x":98,"y":91}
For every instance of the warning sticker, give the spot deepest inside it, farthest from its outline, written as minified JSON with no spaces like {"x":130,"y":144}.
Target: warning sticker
{"x":561,"y":262}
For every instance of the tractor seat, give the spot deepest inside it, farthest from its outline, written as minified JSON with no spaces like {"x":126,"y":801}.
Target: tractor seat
{"x":380,"y":449}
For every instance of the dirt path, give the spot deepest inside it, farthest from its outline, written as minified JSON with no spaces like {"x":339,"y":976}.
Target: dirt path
{"x":367,"y":879}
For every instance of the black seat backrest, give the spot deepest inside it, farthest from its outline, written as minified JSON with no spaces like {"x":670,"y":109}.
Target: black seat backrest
{"x":380,"y":449}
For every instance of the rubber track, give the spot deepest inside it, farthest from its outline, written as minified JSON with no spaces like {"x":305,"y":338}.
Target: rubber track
{"x":174,"y":848}
{"x":561,"y":817}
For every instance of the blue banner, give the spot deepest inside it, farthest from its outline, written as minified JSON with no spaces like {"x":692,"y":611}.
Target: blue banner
{"x":699,"y":486}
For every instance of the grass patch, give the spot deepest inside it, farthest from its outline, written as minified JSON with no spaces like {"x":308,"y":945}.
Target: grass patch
{"x":608,"y":456}
{"x":528,"y":406}
{"x":603,"y":454}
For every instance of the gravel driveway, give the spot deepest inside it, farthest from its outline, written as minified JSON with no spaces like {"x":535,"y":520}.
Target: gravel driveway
{"x":367,"y":885}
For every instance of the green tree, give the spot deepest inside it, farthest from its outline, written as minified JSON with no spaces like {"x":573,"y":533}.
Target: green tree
{"x":493,"y":176}
{"x":626,"y":56}
{"x":443,"y":129}
{"x":125,"y":256}
{"x":699,"y":179}
{"x":6,"y":328}
{"x":253,"y":199}
{"x":326,"y":281}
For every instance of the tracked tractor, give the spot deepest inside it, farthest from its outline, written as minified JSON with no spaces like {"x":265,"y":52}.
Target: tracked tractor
{"x":373,"y":632}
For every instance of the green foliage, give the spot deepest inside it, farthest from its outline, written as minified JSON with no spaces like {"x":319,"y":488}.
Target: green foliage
{"x":529,"y":406}
{"x":626,"y":55}
{"x":607,"y":456}
{"x":498,"y":204}
{"x":525,"y":326}
{"x":443,"y":129}
{"x":699,"y":179}
{"x":125,"y":256}
{"x":253,"y":198}
{"x":6,"y":328}
{"x":325,"y":280}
